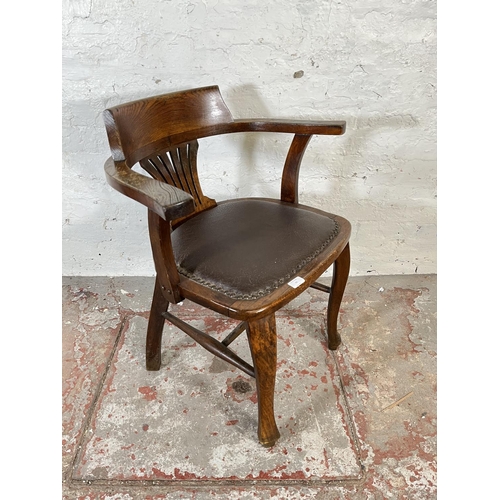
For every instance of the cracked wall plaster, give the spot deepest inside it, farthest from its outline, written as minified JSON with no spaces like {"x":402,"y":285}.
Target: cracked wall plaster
{"x":370,"y":63}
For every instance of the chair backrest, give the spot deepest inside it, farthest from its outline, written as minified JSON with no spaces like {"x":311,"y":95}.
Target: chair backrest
{"x":140,"y":128}
{"x":160,"y":133}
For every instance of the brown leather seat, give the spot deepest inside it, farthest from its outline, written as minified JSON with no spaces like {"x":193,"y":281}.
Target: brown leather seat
{"x":242,"y":258}
{"x":248,"y":248}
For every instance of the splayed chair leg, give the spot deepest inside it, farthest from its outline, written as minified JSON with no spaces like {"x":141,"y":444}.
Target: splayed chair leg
{"x":339,"y":281}
{"x":263,"y":345}
{"x":155,"y":329}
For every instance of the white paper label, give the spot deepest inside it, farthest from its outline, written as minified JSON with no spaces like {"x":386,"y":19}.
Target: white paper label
{"x":296,"y":282}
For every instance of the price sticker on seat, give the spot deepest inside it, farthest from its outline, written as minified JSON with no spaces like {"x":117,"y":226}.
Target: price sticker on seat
{"x":296,"y":282}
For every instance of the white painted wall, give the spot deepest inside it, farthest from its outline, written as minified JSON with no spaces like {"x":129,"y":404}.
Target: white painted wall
{"x":371,"y":63}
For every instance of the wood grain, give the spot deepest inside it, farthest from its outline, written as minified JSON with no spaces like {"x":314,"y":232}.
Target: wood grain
{"x":263,"y":346}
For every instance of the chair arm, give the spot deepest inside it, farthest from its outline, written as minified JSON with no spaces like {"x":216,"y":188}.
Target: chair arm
{"x":303,"y":130}
{"x":167,"y":201}
{"x":299,"y":127}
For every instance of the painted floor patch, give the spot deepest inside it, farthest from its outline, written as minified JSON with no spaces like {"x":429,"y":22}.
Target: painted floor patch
{"x":196,"y":418}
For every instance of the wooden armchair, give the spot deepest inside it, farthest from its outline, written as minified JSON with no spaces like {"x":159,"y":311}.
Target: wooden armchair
{"x":243,"y":258}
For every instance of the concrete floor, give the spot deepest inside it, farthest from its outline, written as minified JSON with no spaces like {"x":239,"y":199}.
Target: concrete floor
{"x":359,"y":423}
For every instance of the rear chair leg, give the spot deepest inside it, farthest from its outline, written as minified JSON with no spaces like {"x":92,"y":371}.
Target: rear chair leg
{"x":339,"y":281}
{"x":156,"y":322}
{"x":263,"y":346}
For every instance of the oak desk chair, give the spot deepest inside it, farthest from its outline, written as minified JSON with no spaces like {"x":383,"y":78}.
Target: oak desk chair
{"x":244,"y":258}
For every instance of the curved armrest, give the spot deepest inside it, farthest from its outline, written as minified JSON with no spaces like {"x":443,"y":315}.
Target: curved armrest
{"x":167,"y":201}
{"x":299,"y":127}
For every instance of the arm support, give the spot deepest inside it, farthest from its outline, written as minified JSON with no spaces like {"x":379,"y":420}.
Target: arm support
{"x":290,"y":175}
{"x":167,"y":201}
{"x":303,"y":131}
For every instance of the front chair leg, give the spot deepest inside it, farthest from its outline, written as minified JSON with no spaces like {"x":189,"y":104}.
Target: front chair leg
{"x":339,"y":281}
{"x":262,"y":339}
{"x":156,"y":322}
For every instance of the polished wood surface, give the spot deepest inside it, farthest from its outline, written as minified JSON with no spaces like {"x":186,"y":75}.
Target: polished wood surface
{"x":290,"y":176}
{"x":178,"y":167}
{"x":156,"y":323}
{"x":339,"y":281}
{"x":263,"y":346}
{"x":161,"y":134}
{"x":163,"y":256}
{"x":164,"y":199}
